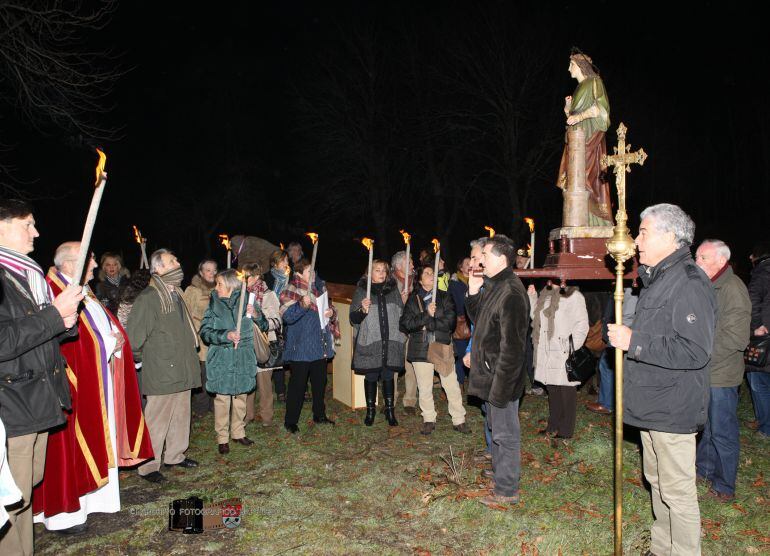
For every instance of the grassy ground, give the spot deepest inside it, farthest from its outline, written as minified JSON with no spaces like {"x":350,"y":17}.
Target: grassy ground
{"x":351,"y":489}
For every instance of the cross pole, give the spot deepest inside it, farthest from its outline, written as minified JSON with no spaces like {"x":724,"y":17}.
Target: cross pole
{"x":622,"y":248}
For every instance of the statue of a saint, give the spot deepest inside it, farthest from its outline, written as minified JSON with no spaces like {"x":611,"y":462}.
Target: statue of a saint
{"x":589,"y":109}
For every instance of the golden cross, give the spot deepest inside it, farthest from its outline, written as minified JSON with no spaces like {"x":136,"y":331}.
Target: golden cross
{"x":622,"y":160}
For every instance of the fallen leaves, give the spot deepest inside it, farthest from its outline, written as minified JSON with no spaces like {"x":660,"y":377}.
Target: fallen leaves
{"x":759,"y":482}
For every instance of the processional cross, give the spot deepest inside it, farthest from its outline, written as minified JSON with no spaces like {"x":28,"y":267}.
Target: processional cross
{"x":622,"y":248}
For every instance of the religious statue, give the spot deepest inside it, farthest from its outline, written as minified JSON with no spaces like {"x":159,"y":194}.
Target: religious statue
{"x":588,"y":109}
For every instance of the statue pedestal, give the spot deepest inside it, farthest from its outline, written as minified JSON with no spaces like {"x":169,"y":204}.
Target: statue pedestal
{"x":578,"y":253}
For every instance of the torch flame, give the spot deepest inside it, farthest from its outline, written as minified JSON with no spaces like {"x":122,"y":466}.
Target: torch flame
{"x":406,"y":236}
{"x":100,"y":166}
{"x":281,"y":245}
{"x":368,"y":243}
{"x":313,"y":237}
{"x":241,"y":274}
{"x":225,"y":240}
{"x":137,"y":235}
{"x":436,"y":245}
{"x":491,"y":230}
{"x":531,"y":224}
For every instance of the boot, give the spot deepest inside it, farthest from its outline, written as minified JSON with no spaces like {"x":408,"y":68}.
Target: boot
{"x":370,"y":392}
{"x":388,"y":389}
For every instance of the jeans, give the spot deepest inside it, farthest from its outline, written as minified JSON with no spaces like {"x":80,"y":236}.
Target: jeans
{"x":717,"y":455}
{"x":506,"y":447}
{"x":607,"y":382}
{"x":759,"y":382}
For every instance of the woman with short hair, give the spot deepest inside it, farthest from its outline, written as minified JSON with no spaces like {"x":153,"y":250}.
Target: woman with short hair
{"x":112,"y":279}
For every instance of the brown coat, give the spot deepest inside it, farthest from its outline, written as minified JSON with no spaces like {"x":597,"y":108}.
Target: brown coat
{"x":196,"y":297}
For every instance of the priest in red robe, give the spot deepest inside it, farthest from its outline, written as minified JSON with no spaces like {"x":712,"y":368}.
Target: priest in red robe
{"x":106,"y":427}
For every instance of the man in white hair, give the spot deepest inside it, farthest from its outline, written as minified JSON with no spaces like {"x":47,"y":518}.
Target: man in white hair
{"x":719,"y":447}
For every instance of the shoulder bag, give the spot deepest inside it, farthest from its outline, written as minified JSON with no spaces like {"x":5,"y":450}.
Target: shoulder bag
{"x":580,"y":364}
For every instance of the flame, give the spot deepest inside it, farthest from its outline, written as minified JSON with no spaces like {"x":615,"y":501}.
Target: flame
{"x":100,"y":166}
{"x":225,"y":240}
{"x":313,"y":237}
{"x":529,"y":249}
{"x":436,"y":245}
{"x":368,"y":243}
{"x":137,"y":235}
{"x":531,"y":224}
{"x":406,"y":236}
{"x":491,"y":230}
{"x":281,"y":245}
{"x":241,"y":274}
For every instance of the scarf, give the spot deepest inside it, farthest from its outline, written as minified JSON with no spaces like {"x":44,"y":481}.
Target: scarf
{"x":160,"y":284}
{"x":554,"y":293}
{"x":462,"y":278}
{"x":30,"y":271}
{"x":114,"y":281}
{"x":296,"y":290}
{"x":258,"y":288}
{"x":280,"y":281}
{"x":718,"y":274}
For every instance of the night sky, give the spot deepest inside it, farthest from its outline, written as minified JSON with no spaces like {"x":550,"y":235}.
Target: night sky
{"x":255,"y":118}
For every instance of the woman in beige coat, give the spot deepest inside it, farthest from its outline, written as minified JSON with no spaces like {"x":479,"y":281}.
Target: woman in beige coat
{"x":557,"y":314}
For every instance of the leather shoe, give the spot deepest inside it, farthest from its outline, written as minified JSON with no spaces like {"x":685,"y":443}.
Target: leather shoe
{"x":427,"y":428}
{"x":721,"y":496}
{"x":463,"y":428}
{"x":74,"y":530}
{"x":224,"y":448}
{"x":410,"y":410}
{"x":323,"y":421}
{"x":154,"y":477}
{"x":488,"y":474}
{"x":245,"y":441}
{"x":187,"y":463}
{"x":598,"y":408}
{"x":497,"y":500}
{"x":293,"y":429}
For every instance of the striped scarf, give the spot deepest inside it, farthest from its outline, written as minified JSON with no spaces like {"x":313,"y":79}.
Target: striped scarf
{"x":167,"y":303}
{"x":27,"y":269}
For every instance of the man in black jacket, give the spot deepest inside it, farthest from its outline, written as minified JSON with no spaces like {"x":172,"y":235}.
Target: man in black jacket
{"x":500,"y":314}
{"x":666,"y":380}
{"x":33,"y":381}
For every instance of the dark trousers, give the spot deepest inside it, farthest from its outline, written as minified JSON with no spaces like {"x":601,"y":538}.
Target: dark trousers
{"x":279,"y":376}
{"x":716,"y":459}
{"x":506,"y":447}
{"x":562,"y":407}
{"x":384,"y":374}
{"x":202,"y":402}
{"x":300,"y":371}
{"x":460,"y":346}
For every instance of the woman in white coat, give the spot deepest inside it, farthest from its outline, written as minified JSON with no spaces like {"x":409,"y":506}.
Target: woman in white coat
{"x":556,"y":315}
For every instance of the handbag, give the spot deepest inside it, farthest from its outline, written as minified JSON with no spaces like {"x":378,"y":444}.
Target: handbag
{"x":441,"y":355}
{"x":462,"y":330}
{"x":580,"y":364}
{"x":275,"y":360}
{"x":756,"y":352}
{"x":261,"y":344}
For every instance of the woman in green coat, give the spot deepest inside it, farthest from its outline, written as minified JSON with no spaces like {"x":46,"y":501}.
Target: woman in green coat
{"x":231,"y":363}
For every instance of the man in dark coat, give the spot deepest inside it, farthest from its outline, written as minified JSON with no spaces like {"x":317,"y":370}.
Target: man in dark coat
{"x":666,"y":380}
{"x":500,"y":314}
{"x":32,"y":371}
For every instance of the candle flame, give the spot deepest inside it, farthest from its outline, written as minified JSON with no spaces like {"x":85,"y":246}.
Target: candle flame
{"x":368,"y":243}
{"x":531,"y":224}
{"x":313,"y":237}
{"x":281,"y":245}
{"x":100,"y":166}
{"x":225,"y":239}
{"x":436,"y":245}
{"x":406,"y":237}
{"x":491,"y":230}
{"x":138,"y":235}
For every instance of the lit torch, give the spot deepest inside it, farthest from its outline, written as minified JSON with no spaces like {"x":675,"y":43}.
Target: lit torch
{"x":408,"y":242}
{"x":437,"y":251}
{"x":242,"y":277}
{"x":491,"y":230}
{"x":225,"y":240}
{"x":85,"y":241}
{"x":369,"y":244}
{"x":531,"y":223}
{"x":314,"y":238}
{"x":142,"y":241}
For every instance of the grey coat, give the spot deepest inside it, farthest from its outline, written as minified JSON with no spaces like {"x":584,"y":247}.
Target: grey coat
{"x":378,"y":343}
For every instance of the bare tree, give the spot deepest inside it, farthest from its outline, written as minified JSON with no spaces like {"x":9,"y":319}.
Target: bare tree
{"x":46,"y":71}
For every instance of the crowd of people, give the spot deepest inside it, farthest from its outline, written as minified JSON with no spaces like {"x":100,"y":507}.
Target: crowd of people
{"x":97,"y":378}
